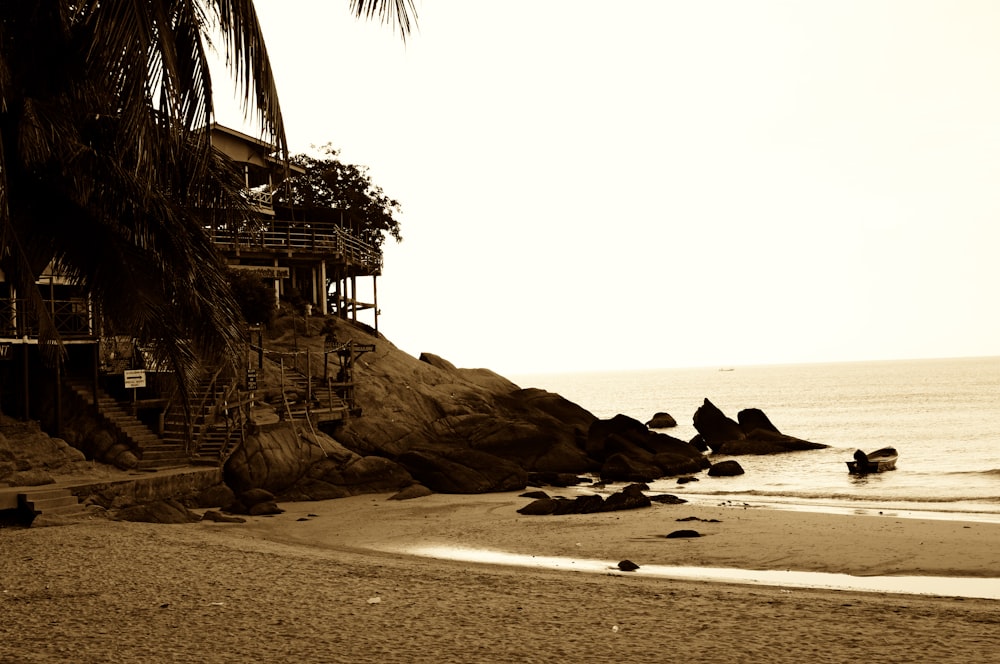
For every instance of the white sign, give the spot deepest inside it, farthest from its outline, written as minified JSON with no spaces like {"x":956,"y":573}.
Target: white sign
{"x":135,"y":378}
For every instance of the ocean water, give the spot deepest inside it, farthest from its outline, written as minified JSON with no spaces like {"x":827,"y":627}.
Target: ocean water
{"x":943,"y":416}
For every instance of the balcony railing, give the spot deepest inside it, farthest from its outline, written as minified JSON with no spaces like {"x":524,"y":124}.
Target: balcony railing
{"x":261,"y":196}
{"x":306,"y":237}
{"x":72,"y":318}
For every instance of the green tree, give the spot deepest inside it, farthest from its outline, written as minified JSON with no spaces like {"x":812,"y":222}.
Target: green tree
{"x":331,"y":190}
{"x":105,"y":163}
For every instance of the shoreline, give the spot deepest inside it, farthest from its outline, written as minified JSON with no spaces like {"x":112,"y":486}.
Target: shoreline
{"x":330,"y":581}
{"x":747,"y":536}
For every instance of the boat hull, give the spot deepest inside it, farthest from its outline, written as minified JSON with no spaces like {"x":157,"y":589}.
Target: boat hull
{"x":878,"y":462}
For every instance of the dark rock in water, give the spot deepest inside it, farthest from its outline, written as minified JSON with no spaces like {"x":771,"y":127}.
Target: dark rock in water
{"x":628,"y":451}
{"x":754,"y":434}
{"x":761,"y":441}
{"x":714,"y":427}
{"x":686,"y":479}
{"x":754,"y":418}
{"x":699,"y":443}
{"x":662,"y":421}
{"x":682,"y":534}
{"x":534,"y":494}
{"x":667,"y":499}
{"x":728,"y":468}
{"x":627,"y":566}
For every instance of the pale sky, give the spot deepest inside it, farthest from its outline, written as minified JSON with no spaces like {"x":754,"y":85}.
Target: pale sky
{"x":591,"y":185}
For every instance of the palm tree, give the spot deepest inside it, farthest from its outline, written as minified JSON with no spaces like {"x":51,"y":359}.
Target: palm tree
{"x":106,"y":164}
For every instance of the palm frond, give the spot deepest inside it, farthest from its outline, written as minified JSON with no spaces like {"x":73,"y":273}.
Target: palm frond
{"x":401,"y":14}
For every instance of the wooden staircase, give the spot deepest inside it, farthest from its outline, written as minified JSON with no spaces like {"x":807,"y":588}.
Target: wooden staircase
{"x":154,"y":452}
{"x":313,"y":398}
{"x":211,"y":440}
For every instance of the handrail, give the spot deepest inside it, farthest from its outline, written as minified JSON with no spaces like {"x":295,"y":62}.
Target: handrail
{"x":72,"y":317}
{"x":313,"y":236}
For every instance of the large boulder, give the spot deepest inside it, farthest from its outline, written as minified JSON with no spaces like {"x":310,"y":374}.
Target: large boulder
{"x":29,"y":456}
{"x":728,"y":468}
{"x":631,"y":452}
{"x":662,"y":421}
{"x":629,"y":498}
{"x":752,"y":419}
{"x":306,"y":466}
{"x":463,"y":471}
{"x":625,"y":468}
{"x":753,"y":434}
{"x":766,"y":442}
{"x":714,"y":427}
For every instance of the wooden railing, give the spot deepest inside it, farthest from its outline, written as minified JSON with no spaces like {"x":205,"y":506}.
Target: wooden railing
{"x":312,"y":237}
{"x":72,"y":318}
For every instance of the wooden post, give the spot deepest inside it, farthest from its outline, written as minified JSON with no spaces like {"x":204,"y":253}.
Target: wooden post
{"x":375,"y":300}
{"x":58,"y":422}
{"x":27,"y":405}
{"x":354,"y":298}
{"x":309,"y":379}
{"x":97,"y":365}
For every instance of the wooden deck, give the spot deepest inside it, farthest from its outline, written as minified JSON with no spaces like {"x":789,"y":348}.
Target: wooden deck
{"x":290,"y":239}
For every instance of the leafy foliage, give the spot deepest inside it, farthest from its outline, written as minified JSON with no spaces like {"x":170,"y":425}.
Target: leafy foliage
{"x":331,"y":190}
{"x":255,"y":299}
{"x":106,"y":163}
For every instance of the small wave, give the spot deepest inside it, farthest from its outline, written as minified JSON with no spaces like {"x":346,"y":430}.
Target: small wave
{"x":853,"y":497}
{"x":994,"y":472}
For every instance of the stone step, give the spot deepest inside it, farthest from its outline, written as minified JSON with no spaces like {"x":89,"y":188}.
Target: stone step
{"x":50,"y":501}
{"x":49,"y":504}
{"x":155,"y":453}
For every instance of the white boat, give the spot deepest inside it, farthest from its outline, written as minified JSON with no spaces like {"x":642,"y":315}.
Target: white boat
{"x":876,"y":462}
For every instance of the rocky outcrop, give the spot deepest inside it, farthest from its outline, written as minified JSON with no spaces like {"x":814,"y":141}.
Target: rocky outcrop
{"x":463,"y":471}
{"x":662,"y":421}
{"x":629,"y":498}
{"x":29,"y":457}
{"x":305,"y":466}
{"x":728,"y":468}
{"x":453,"y":430}
{"x":714,"y":427}
{"x":753,"y":434}
{"x":629,"y":452}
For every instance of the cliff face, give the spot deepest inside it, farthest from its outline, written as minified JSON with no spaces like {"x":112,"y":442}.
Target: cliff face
{"x":423,"y":422}
{"x":452,"y":430}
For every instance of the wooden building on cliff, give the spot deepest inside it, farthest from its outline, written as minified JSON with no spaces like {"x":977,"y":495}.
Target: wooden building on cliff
{"x":311,"y":253}
{"x":318,"y":259}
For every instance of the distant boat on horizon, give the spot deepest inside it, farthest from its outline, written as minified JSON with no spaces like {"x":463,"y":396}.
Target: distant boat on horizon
{"x":726,"y":369}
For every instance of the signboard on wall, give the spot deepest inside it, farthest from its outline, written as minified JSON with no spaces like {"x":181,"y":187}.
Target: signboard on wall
{"x":135,"y":378}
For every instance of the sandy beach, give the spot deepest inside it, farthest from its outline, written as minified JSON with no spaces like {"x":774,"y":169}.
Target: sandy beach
{"x":333,"y":581}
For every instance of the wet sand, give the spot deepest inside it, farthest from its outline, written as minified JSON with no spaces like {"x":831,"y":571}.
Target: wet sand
{"x":331,"y":582}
